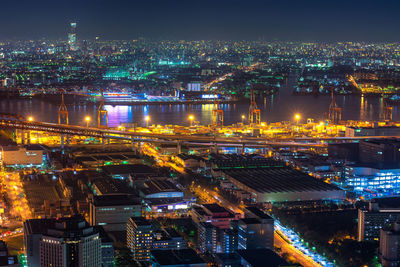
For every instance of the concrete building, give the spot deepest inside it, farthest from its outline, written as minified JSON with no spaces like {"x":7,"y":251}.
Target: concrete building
{"x":280,"y":184}
{"x":168,"y":238}
{"x":229,"y":241}
{"x":389,"y":246}
{"x":62,"y":242}
{"x":139,"y":238}
{"x":379,"y":151}
{"x":218,"y":216}
{"x":380,"y":213}
{"x":372,"y":131}
{"x":113,"y":211}
{"x":22,"y":156}
{"x":207,"y":237}
{"x":5,"y":258}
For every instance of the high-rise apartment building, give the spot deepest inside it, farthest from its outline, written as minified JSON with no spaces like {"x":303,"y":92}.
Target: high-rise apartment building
{"x":139,"y":238}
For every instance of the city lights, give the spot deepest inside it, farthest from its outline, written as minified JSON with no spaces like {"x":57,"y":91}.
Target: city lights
{"x":147,"y":119}
{"x":87,"y":119}
{"x":191,"y":118}
{"x":297,"y":118}
{"x":30,"y":118}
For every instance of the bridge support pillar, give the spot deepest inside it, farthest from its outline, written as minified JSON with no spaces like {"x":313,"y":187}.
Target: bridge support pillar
{"x":62,"y":141}
{"x":133,"y":144}
{"x":28,"y":137}
{"x":243,"y":149}
{"x":179,"y":147}
{"x":22,"y":137}
{"x":103,"y":142}
{"x":215,"y":148}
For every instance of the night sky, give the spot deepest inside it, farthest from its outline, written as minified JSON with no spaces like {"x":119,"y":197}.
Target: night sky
{"x":303,"y":20}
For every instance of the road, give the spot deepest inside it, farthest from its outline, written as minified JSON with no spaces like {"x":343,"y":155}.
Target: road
{"x":292,"y":251}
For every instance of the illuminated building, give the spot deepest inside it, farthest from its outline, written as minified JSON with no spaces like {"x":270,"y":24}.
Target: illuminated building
{"x":207,"y":237}
{"x":72,"y":42}
{"x":162,"y":196}
{"x":381,"y":212}
{"x":113,"y":211}
{"x":168,"y":238}
{"x":139,"y":238}
{"x":389,"y":246}
{"x":32,"y":155}
{"x":194,"y":87}
{"x":373,"y":178}
{"x":229,"y":241}
{"x":62,"y":242}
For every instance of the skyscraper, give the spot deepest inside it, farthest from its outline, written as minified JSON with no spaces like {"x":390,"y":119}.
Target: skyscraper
{"x":72,"y":37}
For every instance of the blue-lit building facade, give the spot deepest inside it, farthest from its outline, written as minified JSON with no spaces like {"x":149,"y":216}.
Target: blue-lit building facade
{"x":378,"y":181}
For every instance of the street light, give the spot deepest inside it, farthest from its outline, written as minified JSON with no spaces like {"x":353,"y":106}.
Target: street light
{"x":297,"y":118}
{"x":87,"y":119}
{"x":147,"y":118}
{"x":243,"y":118}
{"x":191,"y":118}
{"x":30,"y":118}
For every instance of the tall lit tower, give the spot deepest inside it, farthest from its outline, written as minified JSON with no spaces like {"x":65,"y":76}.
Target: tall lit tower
{"x":72,"y":37}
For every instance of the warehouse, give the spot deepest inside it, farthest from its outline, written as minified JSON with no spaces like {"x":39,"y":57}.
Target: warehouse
{"x":280,"y":184}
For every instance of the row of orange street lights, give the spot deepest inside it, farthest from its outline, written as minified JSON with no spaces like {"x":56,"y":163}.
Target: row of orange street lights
{"x":297,"y":117}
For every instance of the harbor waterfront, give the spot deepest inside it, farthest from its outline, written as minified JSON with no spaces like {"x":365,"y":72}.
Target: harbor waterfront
{"x":274,"y":108}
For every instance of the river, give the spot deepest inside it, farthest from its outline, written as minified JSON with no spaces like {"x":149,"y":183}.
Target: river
{"x":279,"y":107}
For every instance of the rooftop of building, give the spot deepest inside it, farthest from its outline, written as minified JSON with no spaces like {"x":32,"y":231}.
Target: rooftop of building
{"x":249,"y":221}
{"x":236,"y":161}
{"x":259,"y":213}
{"x":116,"y":200}
{"x":186,"y":157}
{"x":153,"y":186}
{"x":38,"y":226}
{"x":176,"y":257}
{"x":258,"y":258}
{"x":112,"y":186}
{"x":227,"y":257}
{"x":215,"y":208}
{"x":278,"y":179}
{"x":387,"y":202}
{"x":141,"y":221}
{"x":128,"y":169}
